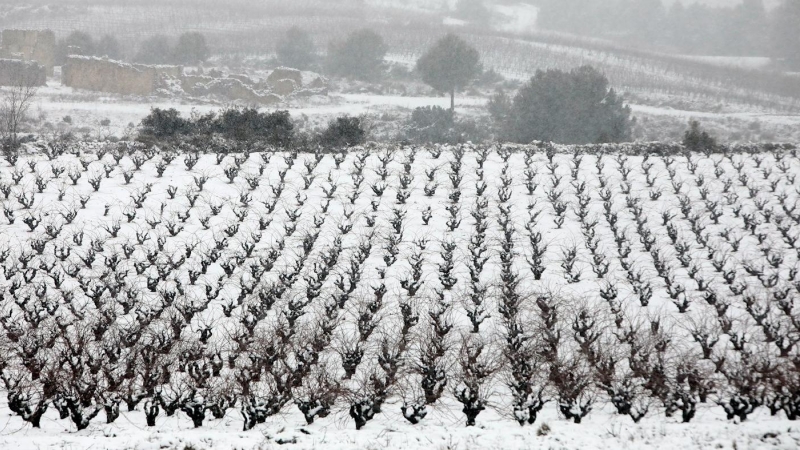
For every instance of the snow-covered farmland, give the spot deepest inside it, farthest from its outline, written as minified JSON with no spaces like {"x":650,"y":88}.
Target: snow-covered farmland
{"x":403,"y":291}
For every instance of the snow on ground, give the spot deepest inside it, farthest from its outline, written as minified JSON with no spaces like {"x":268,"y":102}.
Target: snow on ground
{"x":87,"y":109}
{"x":742,"y":62}
{"x":781,"y":119}
{"x":393,"y":433}
{"x":516,"y":18}
{"x":657,"y":185}
{"x":453,"y":22}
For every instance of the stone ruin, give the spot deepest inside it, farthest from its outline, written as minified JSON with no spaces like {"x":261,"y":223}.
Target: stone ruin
{"x":14,"y":72}
{"x":227,"y":88}
{"x":277,"y":86}
{"x":30,"y":45}
{"x":105,"y":75}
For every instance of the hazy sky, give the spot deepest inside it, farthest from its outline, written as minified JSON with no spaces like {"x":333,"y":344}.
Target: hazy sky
{"x":768,"y":3}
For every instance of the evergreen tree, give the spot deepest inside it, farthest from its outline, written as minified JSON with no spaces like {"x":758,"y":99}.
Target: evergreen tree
{"x":696,"y":139}
{"x":191,"y":49}
{"x":449,"y":66}
{"x":109,"y":46}
{"x":296,"y":49}
{"x":76,"y":43}
{"x":574,"y":107}
{"x":344,"y":132}
{"x":155,"y":50}
{"x":360,"y":56}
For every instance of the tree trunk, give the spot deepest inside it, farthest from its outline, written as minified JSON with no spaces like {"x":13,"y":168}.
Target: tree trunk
{"x":452,"y":100}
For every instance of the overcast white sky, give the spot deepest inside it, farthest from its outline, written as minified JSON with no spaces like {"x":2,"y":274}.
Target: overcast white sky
{"x":768,"y":3}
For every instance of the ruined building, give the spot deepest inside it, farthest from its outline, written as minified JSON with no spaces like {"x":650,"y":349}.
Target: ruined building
{"x":104,"y":75}
{"x":14,"y":72}
{"x":114,"y":77}
{"x":29,"y":45}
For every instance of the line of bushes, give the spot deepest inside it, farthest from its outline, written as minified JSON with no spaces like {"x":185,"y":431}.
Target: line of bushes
{"x":248,"y":125}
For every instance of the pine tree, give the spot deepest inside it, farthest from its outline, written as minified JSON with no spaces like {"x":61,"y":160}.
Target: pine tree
{"x":449,"y":66}
{"x":575,"y":107}
{"x":360,"y":56}
{"x":696,"y":139}
{"x":191,"y":49}
{"x":296,"y":49}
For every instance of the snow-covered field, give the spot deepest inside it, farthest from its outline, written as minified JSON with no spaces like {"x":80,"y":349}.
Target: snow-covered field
{"x":232,"y":292}
{"x":87,"y":110}
{"x":755,"y":62}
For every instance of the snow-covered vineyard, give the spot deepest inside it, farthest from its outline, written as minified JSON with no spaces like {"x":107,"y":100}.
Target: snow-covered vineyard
{"x":277,"y":297}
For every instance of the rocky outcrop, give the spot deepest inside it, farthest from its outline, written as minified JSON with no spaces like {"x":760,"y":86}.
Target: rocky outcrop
{"x":285,"y":73}
{"x":228,"y":89}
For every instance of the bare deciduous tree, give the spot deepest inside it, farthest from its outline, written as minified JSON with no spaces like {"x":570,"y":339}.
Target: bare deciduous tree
{"x":15,"y":102}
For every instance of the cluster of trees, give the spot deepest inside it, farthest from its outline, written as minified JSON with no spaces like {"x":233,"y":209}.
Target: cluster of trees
{"x":190,"y":48}
{"x":80,"y":43}
{"x":359,"y":56}
{"x":744,"y":29}
{"x":248,"y":125}
{"x":575,"y":107}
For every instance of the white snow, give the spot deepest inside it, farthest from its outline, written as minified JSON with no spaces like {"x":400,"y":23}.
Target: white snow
{"x":444,"y":426}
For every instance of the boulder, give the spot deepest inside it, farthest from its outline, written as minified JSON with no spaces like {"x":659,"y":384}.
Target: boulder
{"x":285,"y":73}
{"x":284,"y":87}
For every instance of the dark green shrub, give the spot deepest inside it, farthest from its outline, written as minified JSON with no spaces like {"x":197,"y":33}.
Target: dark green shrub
{"x":436,"y":125}
{"x":249,"y":125}
{"x":698,"y":140}
{"x":165,"y":124}
{"x":344,"y":132}
{"x":432,"y":124}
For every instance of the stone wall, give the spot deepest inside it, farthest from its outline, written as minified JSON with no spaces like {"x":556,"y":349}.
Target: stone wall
{"x":30,"y":45}
{"x":104,"y":75}
{"x":14,"y":71}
